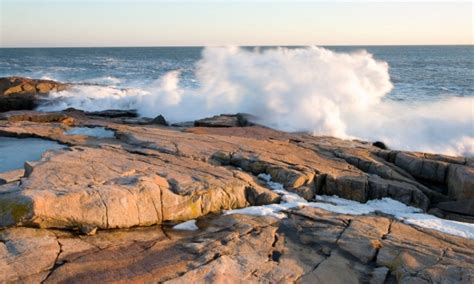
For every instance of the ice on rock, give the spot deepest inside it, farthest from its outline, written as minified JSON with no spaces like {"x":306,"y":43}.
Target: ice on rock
{"x":404,"y":213}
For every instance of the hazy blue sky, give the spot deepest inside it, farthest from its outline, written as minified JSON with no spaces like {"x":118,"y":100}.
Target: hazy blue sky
{"x":28,"y":23}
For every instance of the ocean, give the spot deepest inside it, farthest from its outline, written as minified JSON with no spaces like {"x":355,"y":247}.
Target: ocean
{"x":411,"y":97}
{"x":417,"y":72}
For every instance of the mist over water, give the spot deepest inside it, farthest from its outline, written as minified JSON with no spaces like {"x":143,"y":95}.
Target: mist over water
{"x":343,"y":94}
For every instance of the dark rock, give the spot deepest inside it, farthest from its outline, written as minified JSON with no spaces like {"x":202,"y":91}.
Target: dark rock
{"x":460,"y":182}
{"x":185,"y":124}
{"x":349,"y":187}
{"x":225,"y":120}
{"x":459,"y":217}
{"x":17,"y":102}
{"x":421,"y":167}
{"x":113,"y":113}
{"x":465,"y":207}
{"x":244,"y":119}
{"x":401,"y":191}
{"x":159,"y":120}
{"x":73,"y":110}
{"x":380,"y":145}
{"x":437,"y":212}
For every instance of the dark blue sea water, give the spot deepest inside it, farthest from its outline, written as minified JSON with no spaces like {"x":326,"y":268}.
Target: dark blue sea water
{"x":417,"y":72}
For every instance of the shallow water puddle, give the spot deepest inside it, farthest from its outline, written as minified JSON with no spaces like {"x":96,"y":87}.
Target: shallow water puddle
{"x":98,"y":132}
{"x":189,"y":225}
{"x":15,"y":151}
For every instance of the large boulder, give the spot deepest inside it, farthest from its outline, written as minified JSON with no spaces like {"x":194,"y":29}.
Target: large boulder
{"x":19,"y":85}
{"x":112,"y":188}
{"x":17,"y":93}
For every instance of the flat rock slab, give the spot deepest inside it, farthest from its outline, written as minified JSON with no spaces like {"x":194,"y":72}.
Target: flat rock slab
{"x":150,"y":174}
{"x":310,"y":246}
{"x":11,"y":176}
{"x":111,"y":188}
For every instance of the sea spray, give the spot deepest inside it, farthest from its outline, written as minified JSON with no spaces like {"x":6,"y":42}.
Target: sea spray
{"x":300,"y":89}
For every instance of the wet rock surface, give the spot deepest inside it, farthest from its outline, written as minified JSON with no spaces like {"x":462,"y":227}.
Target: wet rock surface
{"x":99,"y":209}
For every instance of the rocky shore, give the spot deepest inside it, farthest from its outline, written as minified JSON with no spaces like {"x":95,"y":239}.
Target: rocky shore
{"x":18,"y":93}
{"x":102,"y":208}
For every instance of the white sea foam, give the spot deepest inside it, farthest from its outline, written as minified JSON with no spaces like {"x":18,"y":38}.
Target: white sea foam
{"x":94,"y":98}
{"x":304,"y":89}
{"x":47,"y":78}
{"x":106,"y":80}
{"x":407,"y":214}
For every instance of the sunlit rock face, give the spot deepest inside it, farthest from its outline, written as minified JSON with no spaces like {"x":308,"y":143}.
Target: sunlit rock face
{"x":17,"y":93}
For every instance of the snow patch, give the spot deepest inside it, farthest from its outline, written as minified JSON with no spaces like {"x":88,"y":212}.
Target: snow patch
{"x":273,"y":210}
{"x":404,"y":213}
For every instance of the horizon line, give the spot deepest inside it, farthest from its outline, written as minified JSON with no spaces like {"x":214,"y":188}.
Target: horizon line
{"x":225,"y":45}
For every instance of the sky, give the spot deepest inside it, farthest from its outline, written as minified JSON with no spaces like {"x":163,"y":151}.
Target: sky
{"x":68,"y":23}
